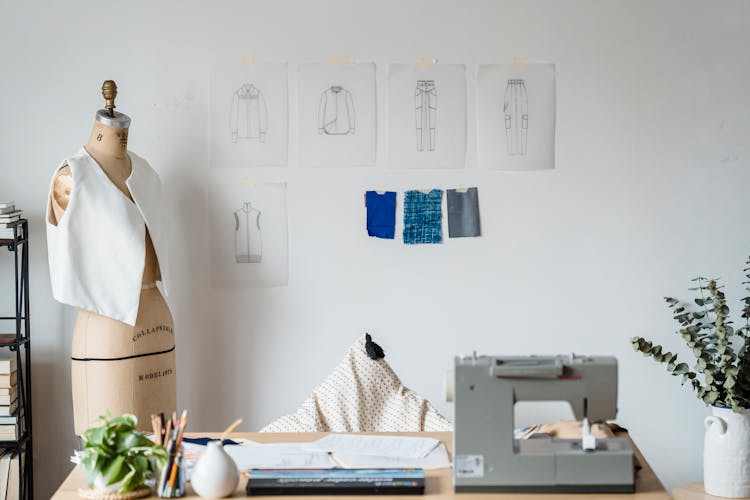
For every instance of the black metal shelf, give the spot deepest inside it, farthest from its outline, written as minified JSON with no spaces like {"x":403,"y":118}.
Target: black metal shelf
{"x":18,"y":341}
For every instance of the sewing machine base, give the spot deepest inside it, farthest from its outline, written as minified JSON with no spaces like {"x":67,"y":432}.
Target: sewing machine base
{"x":553,"y":488}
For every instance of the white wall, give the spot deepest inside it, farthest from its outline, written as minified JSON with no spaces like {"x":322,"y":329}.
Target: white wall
{"x":650,"y":189}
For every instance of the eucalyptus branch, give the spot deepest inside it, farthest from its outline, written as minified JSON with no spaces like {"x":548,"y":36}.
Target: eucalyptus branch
{"x":720,"y":376}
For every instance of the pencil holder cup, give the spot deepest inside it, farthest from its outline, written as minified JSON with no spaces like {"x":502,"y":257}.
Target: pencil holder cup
{"x":215,"y":474}
{"x":171,"y":482}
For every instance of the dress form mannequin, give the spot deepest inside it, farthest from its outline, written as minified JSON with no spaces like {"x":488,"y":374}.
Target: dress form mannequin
{"x":116,"y":366}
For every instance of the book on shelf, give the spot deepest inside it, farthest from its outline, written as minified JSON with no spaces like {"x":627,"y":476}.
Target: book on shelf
{"x":8,"y":380}
{"x":8,"y":395}
{"x":5,"y":460}
{"x":8,"y":363}
{"x":9,"y":410}
{"x":8,"y":233}
{"x":14,"y":486}
{"x":9,"y":432}
{"x":11,"y":216}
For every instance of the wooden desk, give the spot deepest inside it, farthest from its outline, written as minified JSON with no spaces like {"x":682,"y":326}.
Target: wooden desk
{"x":439,"y":482}
{"x":692,"y":491}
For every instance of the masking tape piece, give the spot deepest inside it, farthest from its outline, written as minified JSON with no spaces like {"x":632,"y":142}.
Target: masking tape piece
{"x":249,"y":59}
{"x":426,"y":62}
{"x":518,"y":61}
{"x":248,"y":181}
{"x":335,"y":60}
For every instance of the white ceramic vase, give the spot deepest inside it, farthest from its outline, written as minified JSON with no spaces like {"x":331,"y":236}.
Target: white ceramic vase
{"x":215,"y":474}
{"x":726,"y":454}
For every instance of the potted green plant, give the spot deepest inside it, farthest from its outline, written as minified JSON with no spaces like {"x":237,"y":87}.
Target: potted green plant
{"x":720,"y":377}
{"x":118,"y":459}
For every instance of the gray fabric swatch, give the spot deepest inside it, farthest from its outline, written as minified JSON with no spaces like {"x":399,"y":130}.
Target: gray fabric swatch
{"x":463,"y":213}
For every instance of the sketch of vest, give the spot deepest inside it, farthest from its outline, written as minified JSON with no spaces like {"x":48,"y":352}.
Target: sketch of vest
{"x":248,"y":243}
{"x":425,"y":106}
{"x":336,"y":112}
{"x":248,"y":116}
{"x":516,"y":109}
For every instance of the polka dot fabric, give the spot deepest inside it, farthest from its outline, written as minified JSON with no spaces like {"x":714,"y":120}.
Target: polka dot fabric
{"x":362,"y":395}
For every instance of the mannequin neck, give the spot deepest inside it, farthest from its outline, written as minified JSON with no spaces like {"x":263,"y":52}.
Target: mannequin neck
{"x":109,"y":147}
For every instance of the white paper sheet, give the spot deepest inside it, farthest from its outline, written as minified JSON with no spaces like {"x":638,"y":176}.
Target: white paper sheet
{"x":436,"y":459}
{"x":427,"y":116}
{"x":248,"y":234}
{"x":278,"y":456}
{"x":516,"y":116}
{"x":249,"y":115}
{"x":377,"y":446}
{"x":337,"y":118}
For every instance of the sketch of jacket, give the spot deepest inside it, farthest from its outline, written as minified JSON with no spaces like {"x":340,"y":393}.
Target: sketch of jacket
{"x":516,"y":109}
{"x":248,"y":116}
{"x":248,"y":243}
{"x":425,"y":106}
{"x":336,"y":112}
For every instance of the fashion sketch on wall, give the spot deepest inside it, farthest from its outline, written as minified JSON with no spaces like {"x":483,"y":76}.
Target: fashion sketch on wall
{"x":248,"y":238}
{"x":516,"y":110}
{"x":424,"y":131}
{"x":516,"y":116}
{"x":248,"y":115}
{"x":337,"y":117}
{"x":425,"y":107}
{"x":248,"y":233}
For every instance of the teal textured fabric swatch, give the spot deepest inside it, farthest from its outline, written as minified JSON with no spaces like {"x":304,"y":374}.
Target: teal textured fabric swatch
{"x":423,"y":217}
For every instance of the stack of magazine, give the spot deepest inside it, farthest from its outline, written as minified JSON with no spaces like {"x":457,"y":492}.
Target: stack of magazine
{"x":8,"y":218}
{"x":335,"y":482}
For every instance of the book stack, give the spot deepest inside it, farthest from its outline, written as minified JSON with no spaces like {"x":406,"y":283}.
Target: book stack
{"x":9,"y":484}
{"x":8,"y":216}
{"x":8,"y":399}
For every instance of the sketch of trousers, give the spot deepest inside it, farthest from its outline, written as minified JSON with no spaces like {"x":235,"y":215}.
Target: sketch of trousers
{"x":248,"y":116}
{"x":336,"y":112}
{"x":516,"y":109}
{"x":425,"y":105}
{"x":248,"y":245}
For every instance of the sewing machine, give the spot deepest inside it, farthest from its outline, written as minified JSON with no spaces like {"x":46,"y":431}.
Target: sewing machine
{"x":489,"y":459}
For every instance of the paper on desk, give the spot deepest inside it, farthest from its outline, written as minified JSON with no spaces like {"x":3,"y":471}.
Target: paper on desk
{"x":436,"y":459}
{"x":379,"y":446}
{"x":278,"y":456}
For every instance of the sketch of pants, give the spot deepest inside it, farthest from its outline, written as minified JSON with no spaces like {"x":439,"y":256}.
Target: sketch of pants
{"x":425,"y":105}
{"x":248,"y":115}
{"x":336,"y":112}
{"x":248,"y":245}
{"x":516,"y":109}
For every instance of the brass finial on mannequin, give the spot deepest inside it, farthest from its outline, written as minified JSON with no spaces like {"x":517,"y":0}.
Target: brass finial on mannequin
{"x":108,"y":115}
{"x":109,"y":91}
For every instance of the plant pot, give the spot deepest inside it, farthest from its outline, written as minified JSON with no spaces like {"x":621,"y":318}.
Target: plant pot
{"x":92,"y":494}
{"x":726,"y":453}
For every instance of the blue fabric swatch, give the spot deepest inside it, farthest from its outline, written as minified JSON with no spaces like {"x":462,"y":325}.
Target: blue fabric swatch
{"x":381,"y":214}
{"x":423,"y":217}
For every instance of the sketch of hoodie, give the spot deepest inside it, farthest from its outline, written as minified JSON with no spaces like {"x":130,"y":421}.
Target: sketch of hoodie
{"x":336,"y":112}
{"x":248,"y":116}
{"x":248,"y":243}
